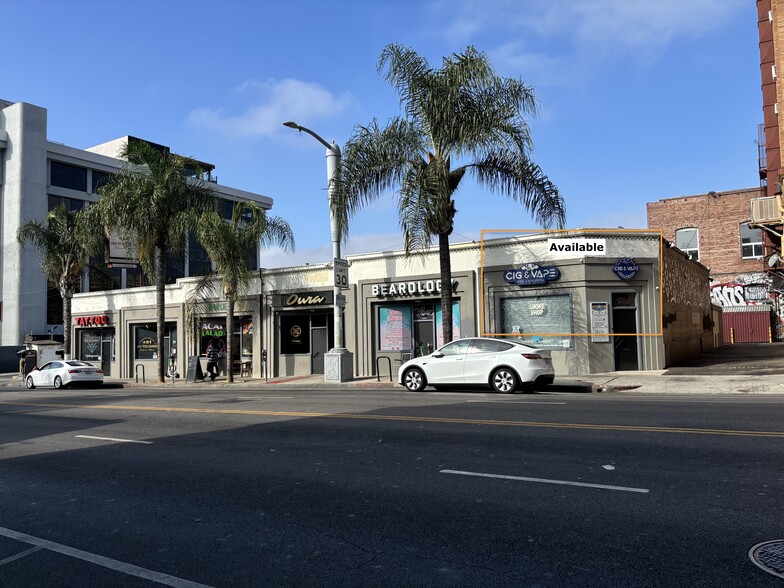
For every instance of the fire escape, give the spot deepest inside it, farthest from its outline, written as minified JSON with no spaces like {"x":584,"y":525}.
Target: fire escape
{"x":767,"y":213}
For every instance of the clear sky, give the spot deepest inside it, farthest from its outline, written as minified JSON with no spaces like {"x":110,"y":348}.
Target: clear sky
{"x":639,"y":100}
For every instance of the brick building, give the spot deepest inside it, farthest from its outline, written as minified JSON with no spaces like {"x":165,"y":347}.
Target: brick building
{"x":719,"y":230}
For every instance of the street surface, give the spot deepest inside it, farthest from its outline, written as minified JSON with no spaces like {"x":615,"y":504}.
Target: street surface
{"x":225,"y":486}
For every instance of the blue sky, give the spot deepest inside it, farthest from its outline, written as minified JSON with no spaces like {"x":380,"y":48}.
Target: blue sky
{"x":638,"y":100}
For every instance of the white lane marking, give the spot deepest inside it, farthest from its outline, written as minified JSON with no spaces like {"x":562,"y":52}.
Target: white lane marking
{"x":545,"y":481}
{"x":113,"y":439}
{"x":20,"y":555}
{"x":515,"y":401}
{"x":100,"y":560}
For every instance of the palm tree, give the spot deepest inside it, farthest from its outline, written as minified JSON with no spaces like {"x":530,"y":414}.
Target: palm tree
{"x":462,"y":111}
{"x":154,"y":201}
{"x":66,"y":240}
{"x":229,"y":245}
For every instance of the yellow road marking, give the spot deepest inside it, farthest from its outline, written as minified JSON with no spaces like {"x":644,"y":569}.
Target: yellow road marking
{"x":403,"y":418}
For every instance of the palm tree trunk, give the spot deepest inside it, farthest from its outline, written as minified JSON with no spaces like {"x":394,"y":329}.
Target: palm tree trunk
{"x":66,"y":324}
{"x":445,"y":263}
{"x":160,"y":301}
{"x":230,"y":339}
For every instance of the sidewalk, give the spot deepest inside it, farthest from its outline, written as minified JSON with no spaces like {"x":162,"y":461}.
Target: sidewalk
{"x":647,"y":382}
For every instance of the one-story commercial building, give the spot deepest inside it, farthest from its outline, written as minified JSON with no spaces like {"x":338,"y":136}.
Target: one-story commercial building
{"x":600,"y":300}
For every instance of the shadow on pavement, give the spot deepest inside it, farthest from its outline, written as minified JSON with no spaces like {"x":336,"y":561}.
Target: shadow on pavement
{"x":754,"y":359}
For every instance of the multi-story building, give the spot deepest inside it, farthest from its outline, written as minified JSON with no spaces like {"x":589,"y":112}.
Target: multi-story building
{"x":36,"y":175}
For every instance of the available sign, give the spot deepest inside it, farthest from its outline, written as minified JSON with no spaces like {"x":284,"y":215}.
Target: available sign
{"x":576,"y":247}
{"x":532,"y":275}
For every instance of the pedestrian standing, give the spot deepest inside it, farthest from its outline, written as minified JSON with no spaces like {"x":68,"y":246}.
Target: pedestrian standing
{"x":212,"y":362}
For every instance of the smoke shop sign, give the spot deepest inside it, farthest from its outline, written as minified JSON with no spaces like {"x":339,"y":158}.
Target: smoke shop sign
{"x":532,"y":274}
{"x":397,"y":289}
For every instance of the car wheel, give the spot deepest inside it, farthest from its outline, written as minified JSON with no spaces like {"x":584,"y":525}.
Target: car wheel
{"x":29,"y":382}
{"x":58,"y":382}
{"x":504,"y":380}
{"x":414,"y":380}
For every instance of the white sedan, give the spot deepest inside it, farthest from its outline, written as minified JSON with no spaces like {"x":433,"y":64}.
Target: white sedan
{"x":63,"y":373}
{"x":504,"y":365}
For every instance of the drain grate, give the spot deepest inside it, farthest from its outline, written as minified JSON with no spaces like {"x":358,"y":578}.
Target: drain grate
{"x":769,"y":556}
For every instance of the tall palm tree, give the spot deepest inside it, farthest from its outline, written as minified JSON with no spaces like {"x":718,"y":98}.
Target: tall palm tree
{"x":66,"y":240}
{"x":464,"y":112}
{"x":154,"y":201}
{"x":229,"y":245}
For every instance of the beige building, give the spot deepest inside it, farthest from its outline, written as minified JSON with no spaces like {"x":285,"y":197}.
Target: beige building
{"x":607,"y":309}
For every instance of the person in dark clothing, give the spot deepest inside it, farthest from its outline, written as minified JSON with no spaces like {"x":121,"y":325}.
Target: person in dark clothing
{"x":212,"y":362}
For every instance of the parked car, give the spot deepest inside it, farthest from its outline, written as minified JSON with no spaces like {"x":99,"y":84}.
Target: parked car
{"x":504,"y":365}
{"x":64,"y":373}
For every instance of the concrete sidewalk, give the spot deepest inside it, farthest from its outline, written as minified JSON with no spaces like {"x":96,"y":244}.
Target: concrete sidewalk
{"x":647,"y":382}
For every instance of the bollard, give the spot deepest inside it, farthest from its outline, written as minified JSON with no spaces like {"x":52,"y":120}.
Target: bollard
{"x":732,"y":335}
{"x":770,"y":335}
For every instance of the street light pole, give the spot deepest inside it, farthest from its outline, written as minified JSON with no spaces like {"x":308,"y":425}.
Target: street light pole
{"x":338,"y":363}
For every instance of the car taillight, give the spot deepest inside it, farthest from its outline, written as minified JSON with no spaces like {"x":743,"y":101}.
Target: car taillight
{"x":532,"y":356}
{"x":98,"y":371}
{"x":74,"y":371}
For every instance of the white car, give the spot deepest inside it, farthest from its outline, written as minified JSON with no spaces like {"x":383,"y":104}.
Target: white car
{"x":504,"y":365}
{"x":62,"y":373}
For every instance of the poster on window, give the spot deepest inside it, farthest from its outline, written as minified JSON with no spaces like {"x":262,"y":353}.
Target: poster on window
{"x":91,"y":345}
{"x":440,"y":323}
{"x":394,"y":328}
{"x":600,"y":325}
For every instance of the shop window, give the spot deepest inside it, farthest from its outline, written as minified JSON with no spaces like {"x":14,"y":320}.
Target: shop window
{"x":294,"y":333}
{"x":213,"y":332}
{"x":90,"y":344}
{"x":548,"y":319}
{"x":440,"y":323}
{"x":750,"y":242}
{"x":394,"y":328}
{"x":146,"y":341}
{"x":688,"y":241}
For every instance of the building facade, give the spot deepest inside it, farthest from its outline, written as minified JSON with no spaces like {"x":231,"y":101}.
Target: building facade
{"x":770,"y":23}
{"x":722,"y":231}
{"x":621,"y":308}
{"x":36,"y":175}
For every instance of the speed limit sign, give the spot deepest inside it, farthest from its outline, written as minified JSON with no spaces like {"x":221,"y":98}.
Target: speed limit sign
{"x":341,"y":273}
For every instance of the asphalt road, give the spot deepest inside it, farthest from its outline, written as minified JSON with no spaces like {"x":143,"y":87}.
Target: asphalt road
{"x":237,"y":487}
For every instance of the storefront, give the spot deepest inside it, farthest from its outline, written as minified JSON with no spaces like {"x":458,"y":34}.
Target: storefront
{"x":625,"y":302}
{"x":95,"y":340}
{"x":402,"y":317}
{"x":303,"y":330}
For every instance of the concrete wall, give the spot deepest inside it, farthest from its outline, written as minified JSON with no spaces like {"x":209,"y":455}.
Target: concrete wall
{"x":22,"y":197}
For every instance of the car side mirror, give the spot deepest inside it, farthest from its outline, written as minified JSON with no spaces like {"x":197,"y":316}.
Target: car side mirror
{"x":437,"y":354}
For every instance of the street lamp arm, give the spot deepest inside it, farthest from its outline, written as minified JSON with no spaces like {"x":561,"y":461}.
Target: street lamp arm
{"x":292,"y":125}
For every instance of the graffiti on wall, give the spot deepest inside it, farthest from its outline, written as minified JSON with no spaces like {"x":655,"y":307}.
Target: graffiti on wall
{"x":744,"y":290}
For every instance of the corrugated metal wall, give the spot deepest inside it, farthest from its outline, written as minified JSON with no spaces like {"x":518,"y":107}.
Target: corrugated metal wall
{"x":746,"y":327}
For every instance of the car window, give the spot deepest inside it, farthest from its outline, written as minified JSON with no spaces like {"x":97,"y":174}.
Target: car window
{"x":485,"y":346}
{"x":74,"y":363}
{"x":456,"y":347}
{"x":46,"y":366}
{"x":503,"y":346}
{"x":54,"y":365}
